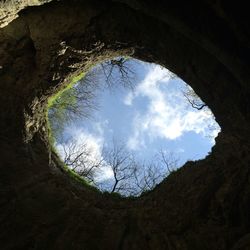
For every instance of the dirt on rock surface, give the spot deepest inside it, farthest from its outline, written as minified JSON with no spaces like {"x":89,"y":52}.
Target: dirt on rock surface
{"x":204,"y":205}
{"x":9,"y":9}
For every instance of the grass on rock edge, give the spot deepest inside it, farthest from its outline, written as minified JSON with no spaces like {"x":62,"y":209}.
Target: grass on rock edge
{"x":71,"y":173}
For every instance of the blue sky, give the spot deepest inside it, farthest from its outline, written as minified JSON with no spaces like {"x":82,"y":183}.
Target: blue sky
{"x":153,"y":116}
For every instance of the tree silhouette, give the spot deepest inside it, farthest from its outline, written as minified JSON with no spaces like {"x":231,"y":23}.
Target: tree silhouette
{"x":129,"y":177}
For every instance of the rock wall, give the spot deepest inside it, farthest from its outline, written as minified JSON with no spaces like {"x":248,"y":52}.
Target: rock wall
{"x":204,"y":205}
{"x":9,"y":9}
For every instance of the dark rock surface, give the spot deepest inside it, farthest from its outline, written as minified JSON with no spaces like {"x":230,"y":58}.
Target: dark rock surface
{"x":9,"y":9}
{"x":205,"y":205}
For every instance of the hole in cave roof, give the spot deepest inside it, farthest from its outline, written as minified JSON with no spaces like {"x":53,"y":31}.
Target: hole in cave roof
{"x":128,"y":124}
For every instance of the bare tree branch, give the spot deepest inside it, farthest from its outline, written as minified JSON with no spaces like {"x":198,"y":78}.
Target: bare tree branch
{"x":81,"y":159}
{"x":193,"y":99}
{"x":129,"y":176}
{"x":119,"y":71}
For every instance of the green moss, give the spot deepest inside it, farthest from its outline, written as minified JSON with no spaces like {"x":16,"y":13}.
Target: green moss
{"x":64,"y":88}
{"x":71,"y":173}
{"x":114,"y":195}
{"x":79,"y":179}
{"x":52,"y":99}
{"x":51,"y":139}
{"x":75,"y":176}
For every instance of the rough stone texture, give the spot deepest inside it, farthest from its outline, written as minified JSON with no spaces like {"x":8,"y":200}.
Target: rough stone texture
{"x":205,"y":205}
{"x":9,"y":9}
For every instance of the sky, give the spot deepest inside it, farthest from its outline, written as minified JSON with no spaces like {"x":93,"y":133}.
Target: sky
{"x":152,"y":116}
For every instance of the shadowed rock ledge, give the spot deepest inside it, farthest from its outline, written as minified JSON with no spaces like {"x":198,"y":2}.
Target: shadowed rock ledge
{"x":204,"y":205}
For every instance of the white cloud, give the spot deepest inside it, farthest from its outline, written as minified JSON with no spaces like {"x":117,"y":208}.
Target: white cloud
{"x":93,"y":143}
{"x":128,"y":99}
{"x":167,"y":115}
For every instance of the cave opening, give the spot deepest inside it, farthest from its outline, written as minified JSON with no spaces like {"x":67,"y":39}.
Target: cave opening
{"x":202,"y":205}
{"x":127,"y":124}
